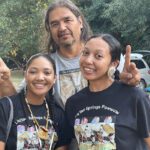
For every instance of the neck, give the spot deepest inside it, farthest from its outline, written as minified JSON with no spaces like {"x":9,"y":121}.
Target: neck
{"x":35,"y":99}
{"x":71,"y":51}
{"x":96,"y":86}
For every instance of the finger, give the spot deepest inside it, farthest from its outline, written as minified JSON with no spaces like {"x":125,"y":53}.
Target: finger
{"x":124,"y":76}
{"x":134,"y":81}
{"x":135,"y":73}
{"x":134,"y":70}
{"x":127,"y":57}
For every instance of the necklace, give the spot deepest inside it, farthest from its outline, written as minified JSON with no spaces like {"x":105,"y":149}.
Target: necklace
{"x":42,"y":131}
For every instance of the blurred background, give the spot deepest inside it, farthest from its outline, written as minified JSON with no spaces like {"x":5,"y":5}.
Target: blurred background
{"x":22,"y":31}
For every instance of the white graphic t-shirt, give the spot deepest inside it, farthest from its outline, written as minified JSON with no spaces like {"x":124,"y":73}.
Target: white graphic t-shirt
{"x":71,"y":81}
{"x":69,"y":78}
{"x":96,"y":133}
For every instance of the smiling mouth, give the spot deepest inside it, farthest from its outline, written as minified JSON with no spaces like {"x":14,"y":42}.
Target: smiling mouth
{"x":39,"y":85}
{"x":88,"y":70}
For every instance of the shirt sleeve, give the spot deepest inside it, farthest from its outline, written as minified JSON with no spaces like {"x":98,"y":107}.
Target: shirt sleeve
{"x":143,"y":115}
{"x":4,"y":115}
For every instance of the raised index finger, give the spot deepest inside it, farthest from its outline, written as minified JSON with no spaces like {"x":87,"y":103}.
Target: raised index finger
{"x":127,"y":57}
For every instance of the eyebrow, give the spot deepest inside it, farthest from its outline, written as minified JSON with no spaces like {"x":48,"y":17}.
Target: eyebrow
{"x":38,"y":68}
{"x":98,"y":50}
{"x":63,"y":18}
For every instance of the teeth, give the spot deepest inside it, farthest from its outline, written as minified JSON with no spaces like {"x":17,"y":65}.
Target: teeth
{"x":39,"y":85}
{"x":88,"y":69}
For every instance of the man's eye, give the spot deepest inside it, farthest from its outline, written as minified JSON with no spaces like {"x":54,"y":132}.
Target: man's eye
{"x":68,"y":20}
{"x":54,"y":25}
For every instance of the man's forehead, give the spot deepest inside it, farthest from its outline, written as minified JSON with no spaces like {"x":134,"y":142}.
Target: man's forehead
{"x":60,"y":13}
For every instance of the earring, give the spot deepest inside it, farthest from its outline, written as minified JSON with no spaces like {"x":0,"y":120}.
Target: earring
{"x":52,"y":91}
{"x":111,"y":72}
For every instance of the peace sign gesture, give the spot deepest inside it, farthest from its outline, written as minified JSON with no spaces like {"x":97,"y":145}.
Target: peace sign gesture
{"x":130,"y":74}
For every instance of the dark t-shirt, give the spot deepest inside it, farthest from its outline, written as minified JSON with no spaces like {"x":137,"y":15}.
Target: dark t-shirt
{"x":23,"y":133}
{"x":115,"y":118}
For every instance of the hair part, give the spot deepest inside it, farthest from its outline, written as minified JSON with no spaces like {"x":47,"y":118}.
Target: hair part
{"x":44,"y":55}
{"x":114,"y":45}
{"x":85,"y":31}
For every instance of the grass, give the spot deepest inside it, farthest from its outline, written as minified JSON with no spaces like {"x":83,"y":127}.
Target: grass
{"x":17,"y":77}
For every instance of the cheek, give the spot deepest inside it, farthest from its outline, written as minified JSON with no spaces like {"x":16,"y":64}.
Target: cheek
{"x":51,"y":80}
{"x":54,"y":34}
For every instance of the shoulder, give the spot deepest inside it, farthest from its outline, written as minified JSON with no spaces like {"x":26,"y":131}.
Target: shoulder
{"x":53,"y":55}
{"x":4,"y":104}
{"x":78,"y":96}
{"x":132,"y":91}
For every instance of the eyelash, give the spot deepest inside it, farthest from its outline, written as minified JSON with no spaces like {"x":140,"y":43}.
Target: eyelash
{"x":34,"y":72}
{"x":86,"y":53}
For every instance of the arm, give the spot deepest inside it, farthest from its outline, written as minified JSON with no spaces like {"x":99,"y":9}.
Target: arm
{"x":130,"y":74}
{"x":2,"y":145}
{"x":6,"y":86}
{"x":147,"y":140}
{"x":4,"y":116}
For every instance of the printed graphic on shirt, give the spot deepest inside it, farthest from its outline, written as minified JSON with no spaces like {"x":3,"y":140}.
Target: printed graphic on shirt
{"x":27,"y":138}
{"x":71,"y":81}
{"x":97,"y":133}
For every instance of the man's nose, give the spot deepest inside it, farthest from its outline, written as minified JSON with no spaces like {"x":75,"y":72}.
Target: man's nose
{"x":62,"y":26}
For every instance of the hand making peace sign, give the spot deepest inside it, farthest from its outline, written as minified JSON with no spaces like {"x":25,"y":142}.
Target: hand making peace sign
{"x":130,"y":74}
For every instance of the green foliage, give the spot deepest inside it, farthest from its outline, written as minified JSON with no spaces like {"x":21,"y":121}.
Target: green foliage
{"x":21,"y":27}
{"x":128,"y":20}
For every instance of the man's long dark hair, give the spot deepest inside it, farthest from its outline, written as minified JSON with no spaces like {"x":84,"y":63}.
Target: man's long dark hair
{"x":85,"y":32}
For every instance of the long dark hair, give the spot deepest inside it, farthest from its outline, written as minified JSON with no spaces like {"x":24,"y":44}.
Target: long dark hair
{"x":46,"y":56}
{"x":86,"y":32}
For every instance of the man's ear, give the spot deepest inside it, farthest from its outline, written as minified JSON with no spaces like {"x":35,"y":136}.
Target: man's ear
{"x":80,"y":21}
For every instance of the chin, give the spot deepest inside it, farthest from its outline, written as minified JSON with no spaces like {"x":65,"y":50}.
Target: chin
{"x":89,"y":78}
{"x":40,"y":93}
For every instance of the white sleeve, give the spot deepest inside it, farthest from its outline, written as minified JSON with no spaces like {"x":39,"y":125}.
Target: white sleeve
{"x":121,"y":64}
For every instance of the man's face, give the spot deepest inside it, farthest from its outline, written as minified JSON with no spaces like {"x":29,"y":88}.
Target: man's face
{"x":65,"y":27}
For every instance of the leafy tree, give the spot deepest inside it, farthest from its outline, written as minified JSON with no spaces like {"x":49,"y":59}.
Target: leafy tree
{"x":128,"y":20}
{"x":21,"y":28}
